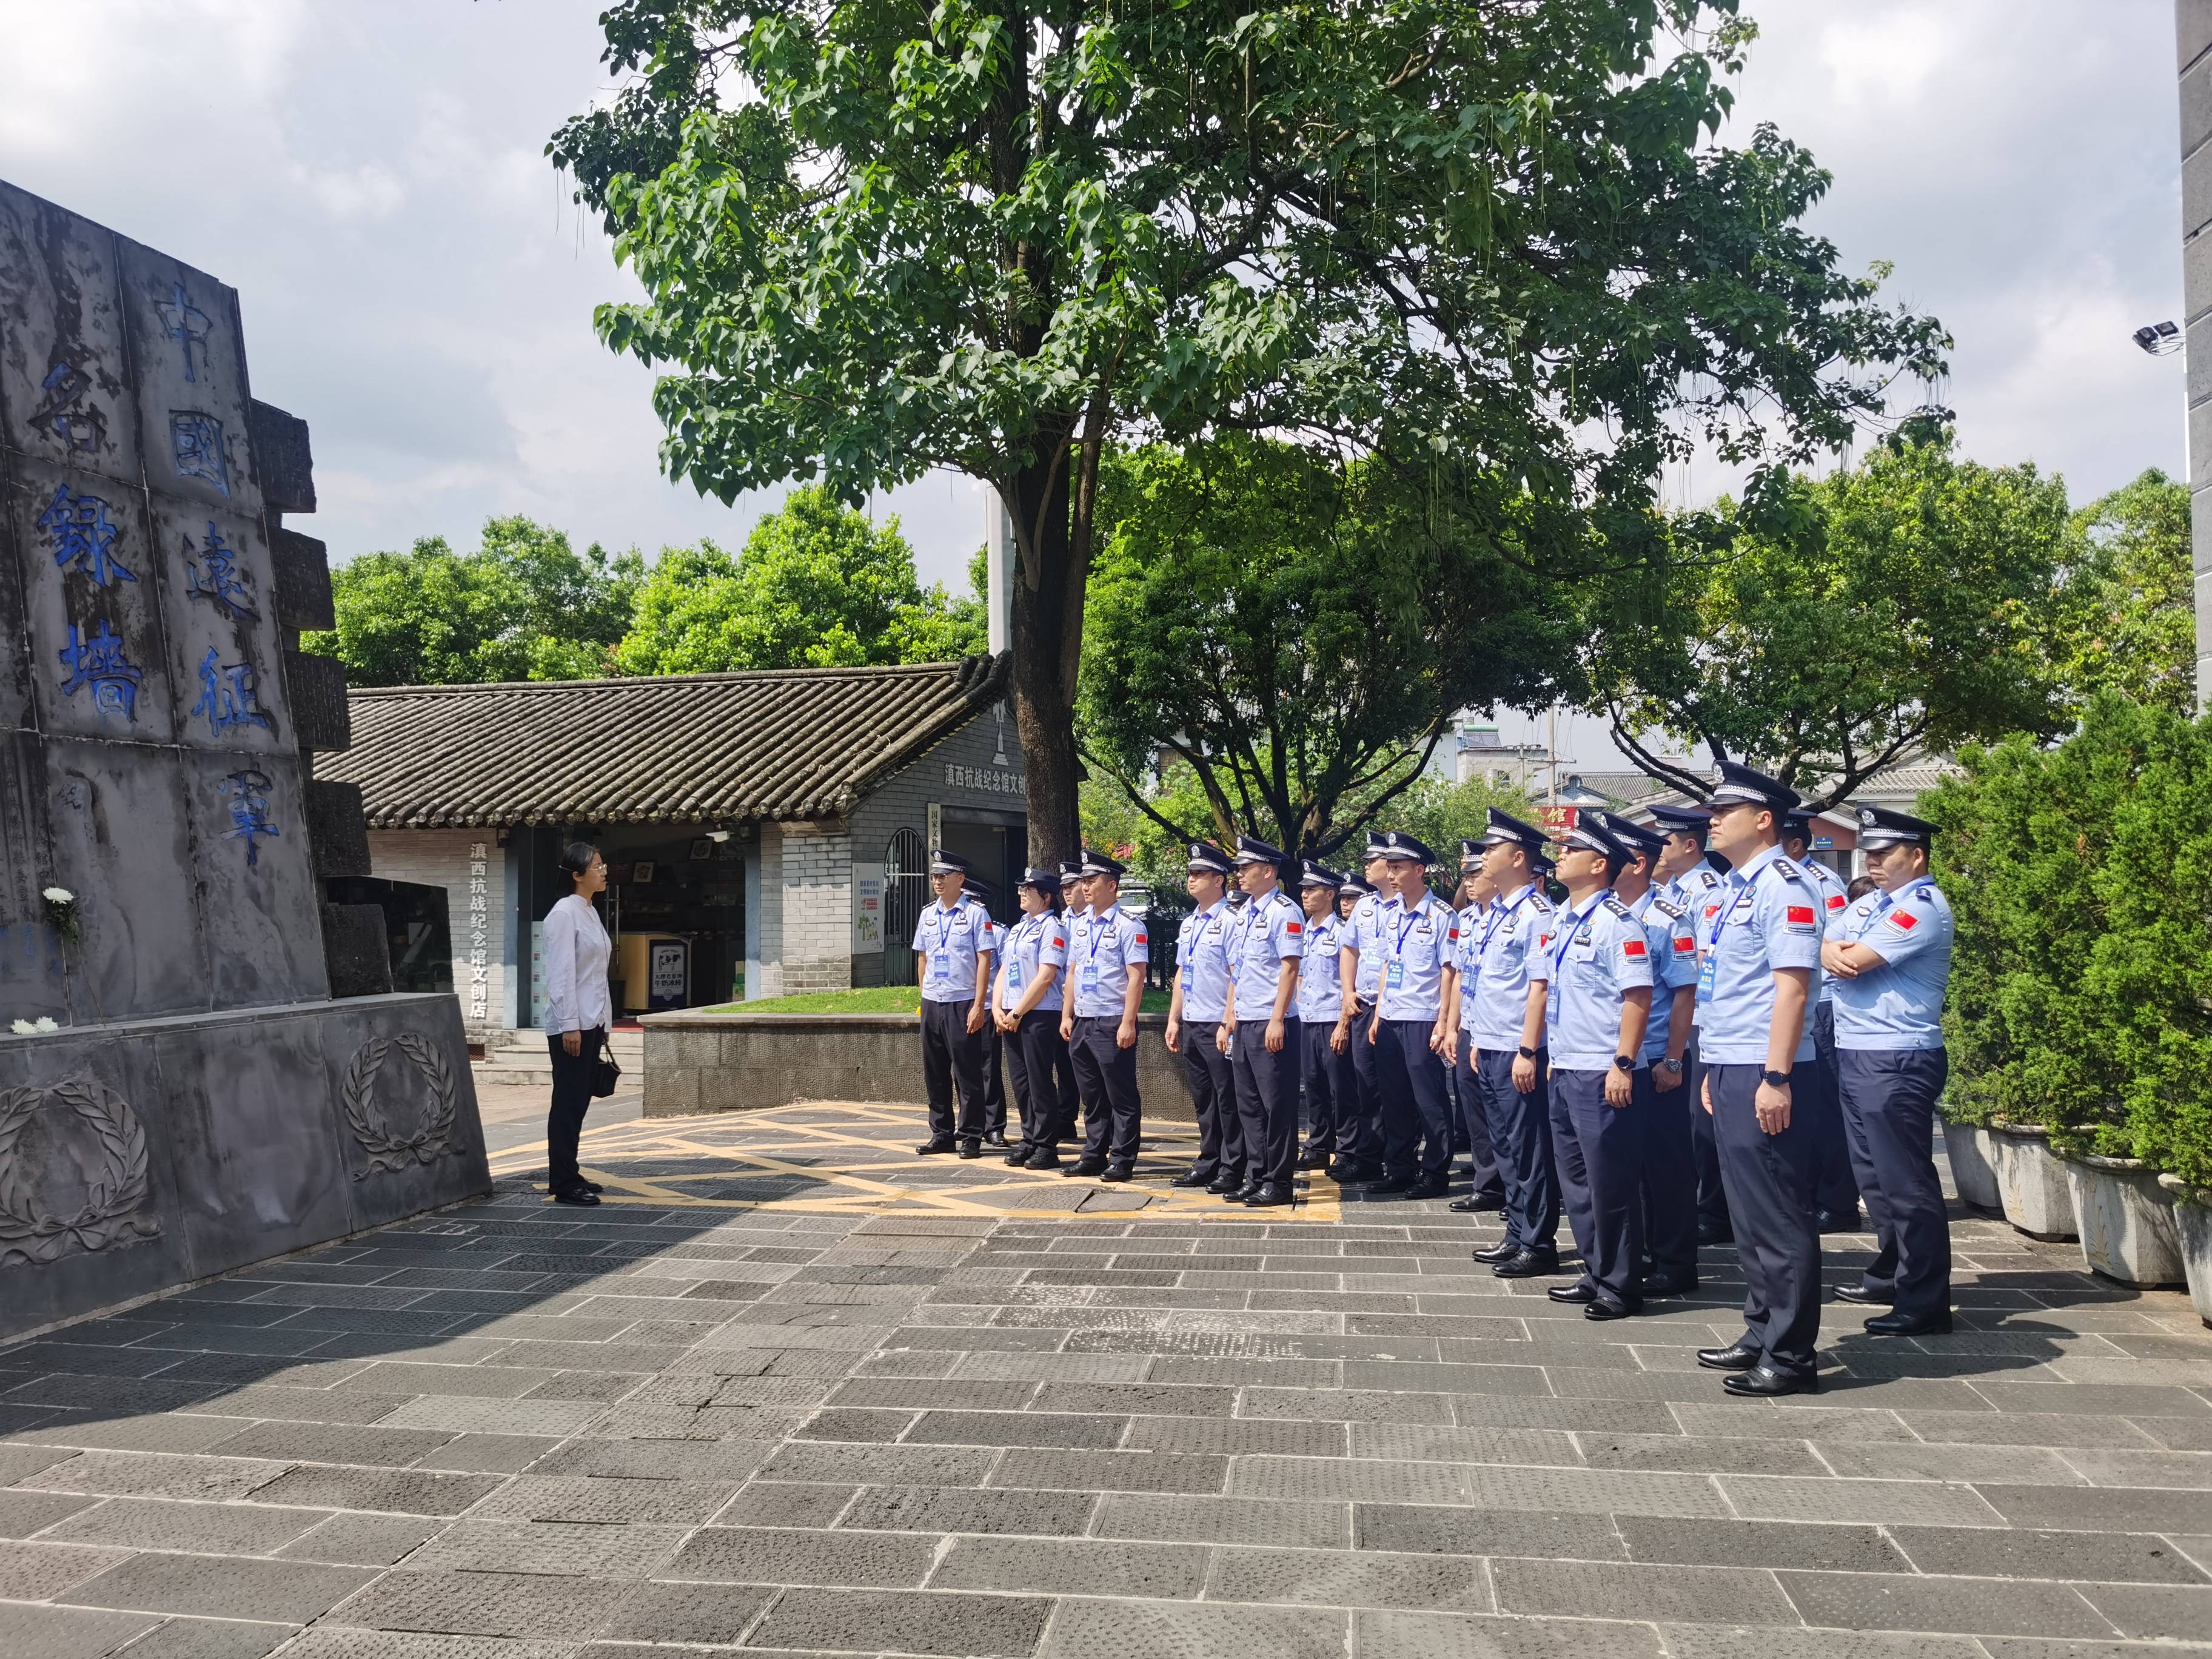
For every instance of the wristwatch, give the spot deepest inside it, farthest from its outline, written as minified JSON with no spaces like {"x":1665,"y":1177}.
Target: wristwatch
{"x":1668,"y":1065}
{"x":1528,"y":1053}
{"x":1623,"y":1062}
{"x":1775,"y":1079}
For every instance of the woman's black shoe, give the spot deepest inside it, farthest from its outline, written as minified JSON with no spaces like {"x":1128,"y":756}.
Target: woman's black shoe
{"x":580,"y":1195}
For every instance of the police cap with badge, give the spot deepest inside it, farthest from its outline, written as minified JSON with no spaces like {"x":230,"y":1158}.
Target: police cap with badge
{"x":1506,"y":830}
{"x":1252,"y":850}
{"x":1317,"y":874}
{"x":1691,"y":821}
{"x":1400,"y":847}
{"x":1880,"y":827}
{"x":1096,"y":863}
{"x":1743,"y":785}
{"x":1633,"y":839}
{"x":1589,"y":834}
{"x":1470,"y":856}
{"x":1207,"y":858}
{"x":1045,"y":881}
{"x":942,"y":863}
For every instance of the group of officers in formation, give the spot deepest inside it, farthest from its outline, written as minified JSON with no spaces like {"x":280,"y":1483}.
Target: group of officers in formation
{"x":1682,"y":1031}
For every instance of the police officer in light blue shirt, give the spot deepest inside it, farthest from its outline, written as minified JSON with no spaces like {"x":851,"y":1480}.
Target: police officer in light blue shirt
{"x":952,"y":951}
{"x":1487,"y":1192}
{"x":1196,"y":1007}
{"x":1107,"y":950}
{"x":1359,"y":959}
{"x":1594,"y":962}
{"x":1890,"y":957}
{"x":1325,"y":1070}
{"x":1835,"y":1194}
{"x":1689,"y":875}
{"x":1416,"y":939}
{"x":995,"y":1077}
{"x":1027,"y":1002}
{"x":1509,"y":1069}
{"x":1754,"y":997}
{"x":1262,"y":1035}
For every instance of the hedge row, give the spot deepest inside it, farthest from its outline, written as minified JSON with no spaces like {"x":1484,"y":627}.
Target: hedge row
{"x":2081,"y":986}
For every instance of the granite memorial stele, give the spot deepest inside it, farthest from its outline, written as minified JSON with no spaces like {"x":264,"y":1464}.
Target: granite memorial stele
{"x":202,"y":1064}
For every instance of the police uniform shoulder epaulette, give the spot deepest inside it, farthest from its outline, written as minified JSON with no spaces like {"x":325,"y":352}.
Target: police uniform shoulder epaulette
{"x":1538,"y":904}
{"x":1784,"y":868}
{"x":1672,"y":911}
{"x":1703,"y":877}
{"x":1620,"y":909}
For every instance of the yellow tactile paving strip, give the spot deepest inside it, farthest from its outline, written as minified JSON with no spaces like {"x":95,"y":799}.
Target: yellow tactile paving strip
{"x":852,"y":1157}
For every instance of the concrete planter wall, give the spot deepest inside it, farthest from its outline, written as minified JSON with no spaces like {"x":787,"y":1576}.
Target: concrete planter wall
{"x":2031,"y":1182}
{"x":1972,"y":1170}
{"x":2192,"y":1226}
{"x":2125,"y":1221}
{"x":698,"y":1061}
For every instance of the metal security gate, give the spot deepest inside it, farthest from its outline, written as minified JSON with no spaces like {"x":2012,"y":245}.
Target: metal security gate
{"x":906,"y":890}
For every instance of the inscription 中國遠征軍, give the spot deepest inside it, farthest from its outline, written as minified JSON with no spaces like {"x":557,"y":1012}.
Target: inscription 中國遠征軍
{"x":212,"y":572}
{"x":99,"y":662}
{"x":83,"y":430}
{"x":196,"y":446}
{"x":187,"y":323}
{"x":228,"y":695}
{"x":78,"y":528}
{"x":248,"y":790}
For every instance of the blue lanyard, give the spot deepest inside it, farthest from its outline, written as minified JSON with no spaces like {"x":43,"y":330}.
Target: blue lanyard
{"x":1398,"y":944}
{"x":944,"y":932}
{"x":1728,"y":910}
{"x":1559,"y":957}
{"x":1096,"y":936}
{"x":1498,"y":920}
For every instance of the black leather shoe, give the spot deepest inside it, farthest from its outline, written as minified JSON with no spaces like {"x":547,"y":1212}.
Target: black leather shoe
{"x":1118,"y":1172}
{"x":1274,"y":1196}
{"x":1863,"y":1296}
{"x":1244,"y":1194}
{"x":1316,"y":1159}
{"x":1504,"y":1250}
{"x":1226,"y":1182}
{"x":1716,"y":1232}
{"x":1019,"y":1157}
{"x":1195,"y":1177}
{"x":994,"y":1138}
{"x":1898,"y":1324}
{"x":589,"y":1186}
{"x":1390,"y":1184}
{"x":1670,"y":1284}
{"x":1771,"y":1382}
{"x":1736,"y":1357}
{"x":1086,"y":1169}
{"x":581,"y":1196}
{"x":1573,"y":1295}
{"x":932,"y":1148}
{"x":971,"y":1148}
{"x":1839,"y":1221}
{"x":1475,"y":1204}
{"x":1528,"y":1264}
{"x":1044,"y":1157}
{"x":1606,"y":1308}
{"x":1429,"y":1186}
{"x":1353,"y":1174}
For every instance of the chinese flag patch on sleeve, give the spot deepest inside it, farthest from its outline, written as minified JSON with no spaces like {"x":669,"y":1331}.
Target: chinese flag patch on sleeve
{"x":1685,"y":946}
{"x":1633,"y":947}
{"x":1837,"y":901}
{"x":1801,"y":916}
{"x":1140,"y":938}
{"x":1904,"y":920}
{"x":1295,"y":927}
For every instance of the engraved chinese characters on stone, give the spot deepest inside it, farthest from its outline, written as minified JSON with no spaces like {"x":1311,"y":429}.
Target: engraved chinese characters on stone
{"x":196,"y":446}
{"x":98,"y":664}
{"x":247,"y":792}
{"x":227,"y":696}
{"x":77,"y":530}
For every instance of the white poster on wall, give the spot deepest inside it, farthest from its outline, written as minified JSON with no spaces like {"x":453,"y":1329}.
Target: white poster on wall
{"x":867,"y":908}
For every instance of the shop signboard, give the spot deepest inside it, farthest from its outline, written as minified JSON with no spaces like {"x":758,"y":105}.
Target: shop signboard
{"x":669,"y":973}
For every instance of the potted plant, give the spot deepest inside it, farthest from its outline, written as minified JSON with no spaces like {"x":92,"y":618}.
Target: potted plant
{"x":2192,"y":1226}
{"x":1973,"y":1171}
{"x":2125,"y":1219}
{"x":2031,"y":1182}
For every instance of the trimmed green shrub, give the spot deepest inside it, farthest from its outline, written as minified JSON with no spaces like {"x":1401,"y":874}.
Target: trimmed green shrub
{"x":2081,"y":986}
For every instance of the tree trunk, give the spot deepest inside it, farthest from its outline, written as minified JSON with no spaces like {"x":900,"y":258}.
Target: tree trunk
{"x":1047,"y":634}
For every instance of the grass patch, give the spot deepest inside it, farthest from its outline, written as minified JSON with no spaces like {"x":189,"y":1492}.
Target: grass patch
{"x":876,"y":1000}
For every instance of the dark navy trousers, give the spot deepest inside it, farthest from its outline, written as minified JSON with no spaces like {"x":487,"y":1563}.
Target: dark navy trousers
{"x":1212,"y":1088}
{"x":1106,"y":1079}
{"x":1043,"y":1079}
{"x":1669,"y":1174}
{"x":1834,"y":1187}
{"x":995,"y":1081}
{"x":1712,"y":1194}
{"x":1488,"y":1183}
{"x":1889,"y":1113}
{"x":1410,"y":1076}
{"x":1365,"y":1146}
{"x":1268,"y":1099}
{"x":1596,"y":1148}
{"x":951,"y":1063}
{"x":1331,"y":1091}
{"x":1770,"y":1197}
{"x":1521,"y":1133}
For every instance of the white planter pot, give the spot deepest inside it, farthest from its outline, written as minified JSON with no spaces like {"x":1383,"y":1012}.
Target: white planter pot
{"x":1971,"y":1171}
{"x":2031,"y":1184}
{"x":2192,"y":1224}
{"x":2125,"y":1221}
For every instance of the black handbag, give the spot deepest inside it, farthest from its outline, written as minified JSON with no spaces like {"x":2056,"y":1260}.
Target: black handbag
{"x":606,"y":1076}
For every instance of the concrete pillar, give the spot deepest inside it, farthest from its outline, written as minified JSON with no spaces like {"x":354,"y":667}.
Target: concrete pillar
{"x":2193,"y":47}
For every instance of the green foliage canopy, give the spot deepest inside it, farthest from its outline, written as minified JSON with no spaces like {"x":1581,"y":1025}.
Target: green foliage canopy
{"x":817,"y":585}
{"x":524,"y":605}
{"x":1828,"y":629}
{"x":1487,"y":241}
{"x":1296,"y":632}
{"x":2135,"y":624}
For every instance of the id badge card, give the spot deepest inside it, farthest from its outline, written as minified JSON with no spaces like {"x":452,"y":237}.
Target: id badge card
{"x":1187,"y":975}
{"x":1395,"y":977}
{"x":1089,"y":979}
{"x":940,"y":965}
{"x":1013,"y":974}
{"x":1708,"y":970}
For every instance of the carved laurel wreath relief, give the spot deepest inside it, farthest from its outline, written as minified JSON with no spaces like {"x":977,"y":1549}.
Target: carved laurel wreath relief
{"x":105,"y":1188}
{"x":387,"y":1149}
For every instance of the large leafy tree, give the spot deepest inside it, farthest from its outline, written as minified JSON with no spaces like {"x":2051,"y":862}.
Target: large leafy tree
{"x":1830,"y":630}
{"x":524,"y":605}
{"x":817,"y":585}
{"x":1487,"y":240}
{"x":1296,"y":631}
{"x":2135,"y":625}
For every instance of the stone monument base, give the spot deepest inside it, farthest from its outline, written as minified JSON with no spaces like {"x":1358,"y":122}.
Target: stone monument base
{"x":148,"y":1153}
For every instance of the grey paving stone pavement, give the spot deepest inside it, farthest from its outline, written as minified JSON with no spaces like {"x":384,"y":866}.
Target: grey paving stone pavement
{"x":902,"y":1408}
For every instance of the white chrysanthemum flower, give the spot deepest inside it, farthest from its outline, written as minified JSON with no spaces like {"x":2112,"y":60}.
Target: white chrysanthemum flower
{"x":60,"y":895}
{"x":24,"y":1028}
{"x":47,"y":1023}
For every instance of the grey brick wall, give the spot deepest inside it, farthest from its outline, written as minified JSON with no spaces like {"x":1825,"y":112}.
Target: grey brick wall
{"x":477,"y":900}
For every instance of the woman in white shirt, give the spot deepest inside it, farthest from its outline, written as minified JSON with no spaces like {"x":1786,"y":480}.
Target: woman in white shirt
{"x":577,"y":1014}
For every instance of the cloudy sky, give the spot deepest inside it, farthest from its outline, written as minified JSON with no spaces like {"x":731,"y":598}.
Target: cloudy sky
{"x":369,"y":175}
